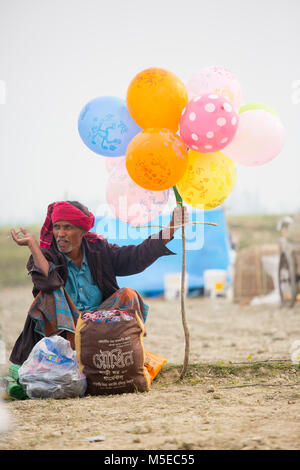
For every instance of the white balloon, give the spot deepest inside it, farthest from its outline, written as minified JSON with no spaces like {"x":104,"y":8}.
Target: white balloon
{"x":259,"y":138}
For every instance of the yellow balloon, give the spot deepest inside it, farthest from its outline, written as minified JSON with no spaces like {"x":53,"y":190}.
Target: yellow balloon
{"x":208,"y":179}
{"x":232,"y":166}
{"x":156,"y":98}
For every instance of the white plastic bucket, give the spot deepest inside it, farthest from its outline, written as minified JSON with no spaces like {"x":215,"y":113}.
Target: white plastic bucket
{"x":172,"y":285}
{"x":215,"y":282}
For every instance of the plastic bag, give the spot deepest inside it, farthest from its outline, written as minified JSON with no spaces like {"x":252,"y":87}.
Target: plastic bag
{"x":51,"y":370}
{"x":154,"y":363}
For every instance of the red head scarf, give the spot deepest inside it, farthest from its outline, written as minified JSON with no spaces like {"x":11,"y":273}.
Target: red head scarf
{"x":64,"y":211}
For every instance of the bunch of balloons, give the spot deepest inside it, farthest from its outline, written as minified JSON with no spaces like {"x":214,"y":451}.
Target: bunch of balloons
{"x":170,"y":134}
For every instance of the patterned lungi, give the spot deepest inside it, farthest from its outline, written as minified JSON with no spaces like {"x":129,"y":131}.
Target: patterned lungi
{"x":56,"y":313}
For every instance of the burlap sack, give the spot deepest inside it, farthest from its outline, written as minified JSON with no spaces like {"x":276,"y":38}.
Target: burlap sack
{"x":112,"y":356}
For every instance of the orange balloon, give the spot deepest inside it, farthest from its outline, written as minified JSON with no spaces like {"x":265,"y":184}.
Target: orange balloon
{"x":156,"y":159}
{"x":156,"y":98}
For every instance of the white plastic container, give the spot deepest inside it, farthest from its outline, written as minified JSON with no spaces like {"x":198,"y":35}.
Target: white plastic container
{"x":215,"y":282}
{"x":172,"y":285}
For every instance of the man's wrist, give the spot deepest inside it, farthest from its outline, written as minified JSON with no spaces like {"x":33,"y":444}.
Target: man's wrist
{"x":33,"y":244}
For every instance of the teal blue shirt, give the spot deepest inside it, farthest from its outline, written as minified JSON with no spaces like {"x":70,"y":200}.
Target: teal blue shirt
{"x":81,"y":287}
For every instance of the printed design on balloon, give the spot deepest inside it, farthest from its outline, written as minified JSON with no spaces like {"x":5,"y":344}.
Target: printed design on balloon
{"x":129,"y":202}
{"x":216,"y":80}
{"x":225,"y":92}
{"x":179,"y":147}
{"x":210,"y":108}
{"x":151,"y":77}
{"x":106,"y":126}
{"x":156,"y":159}
{"x":208,"y":180}
{"x":104,"y":132}
{"x":209,"y":123}
{"x":155,"y":168}
{"x":221,"y":121}
{"x":156,"y":98}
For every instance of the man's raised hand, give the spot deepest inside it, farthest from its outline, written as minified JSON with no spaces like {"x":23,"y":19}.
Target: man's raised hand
{"x":26,"y":240}
{"x":180,"y":217}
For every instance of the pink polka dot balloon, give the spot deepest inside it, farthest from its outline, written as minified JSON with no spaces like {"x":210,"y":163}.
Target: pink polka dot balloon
{"x":208,"y":123}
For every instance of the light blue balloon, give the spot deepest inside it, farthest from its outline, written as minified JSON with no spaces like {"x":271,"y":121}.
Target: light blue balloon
{"x":106,"y":126}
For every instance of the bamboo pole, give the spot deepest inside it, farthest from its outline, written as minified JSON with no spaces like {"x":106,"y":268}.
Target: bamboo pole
{"x":183,"y":278}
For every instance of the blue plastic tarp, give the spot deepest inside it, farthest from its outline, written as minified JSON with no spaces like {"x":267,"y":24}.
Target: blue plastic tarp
{"x":207,"y":246}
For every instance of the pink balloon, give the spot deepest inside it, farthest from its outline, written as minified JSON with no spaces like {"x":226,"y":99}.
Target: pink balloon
{"x":215,"y":80}
{"x":112,"y":162}
{"x":130,"y":202}
{"x":208,"y":123}
{"x":259,"y":138}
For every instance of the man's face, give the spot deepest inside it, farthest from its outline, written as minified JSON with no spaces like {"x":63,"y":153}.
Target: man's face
{"x":68,"y":237}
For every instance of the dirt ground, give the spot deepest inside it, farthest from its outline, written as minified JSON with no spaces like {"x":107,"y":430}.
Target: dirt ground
{"x":230,"y":399}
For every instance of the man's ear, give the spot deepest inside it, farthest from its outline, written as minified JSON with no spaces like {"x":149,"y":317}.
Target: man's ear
{"x":83,"y":233}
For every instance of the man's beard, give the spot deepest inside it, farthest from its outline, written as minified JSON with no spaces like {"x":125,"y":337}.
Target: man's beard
{"x":64,"y":248}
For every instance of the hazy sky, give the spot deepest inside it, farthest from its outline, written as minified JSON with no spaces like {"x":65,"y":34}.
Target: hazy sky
{"x":56,"y":55}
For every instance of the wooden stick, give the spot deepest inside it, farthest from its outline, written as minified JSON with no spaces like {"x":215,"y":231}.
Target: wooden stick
{"x":183,"y":314}
{"x":183,"y":276}
{"x":183,"y":279}
{"x":174,"y":226}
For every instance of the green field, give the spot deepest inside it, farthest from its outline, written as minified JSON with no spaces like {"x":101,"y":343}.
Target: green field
{"x":13,"y":259}
{"x":254,"y":229}
{"x":248,"y":230}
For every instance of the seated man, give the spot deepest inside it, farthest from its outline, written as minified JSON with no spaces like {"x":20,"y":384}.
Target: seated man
{"x":75,"y":270}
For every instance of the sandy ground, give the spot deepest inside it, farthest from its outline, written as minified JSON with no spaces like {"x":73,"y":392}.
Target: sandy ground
{"x":246,"y":408}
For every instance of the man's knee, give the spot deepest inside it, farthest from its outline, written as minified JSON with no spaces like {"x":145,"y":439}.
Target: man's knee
{"x":128,"y":292}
